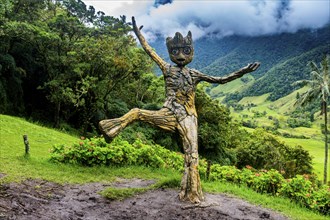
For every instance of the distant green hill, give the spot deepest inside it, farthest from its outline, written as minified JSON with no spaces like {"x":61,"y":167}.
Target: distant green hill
{"x":283,"y":59}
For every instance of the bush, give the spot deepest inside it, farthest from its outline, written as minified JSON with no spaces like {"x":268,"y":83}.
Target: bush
{"x":96,"y":151}
{"x":267,"y":181}
{"x":264,"y":151}
{"x":303,"y":189}
{"x":299,"y":122}
{"x":261,"y":181}
{"x":225,"y":173}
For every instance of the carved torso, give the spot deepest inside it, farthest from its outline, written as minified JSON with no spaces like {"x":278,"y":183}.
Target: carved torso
{"x":180,"y":87}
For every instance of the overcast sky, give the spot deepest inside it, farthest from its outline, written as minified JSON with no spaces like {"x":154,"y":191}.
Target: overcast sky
{"x":219,"y":17}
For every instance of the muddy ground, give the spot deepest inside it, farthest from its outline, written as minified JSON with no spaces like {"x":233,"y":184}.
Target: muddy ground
{"x":38,"y":199}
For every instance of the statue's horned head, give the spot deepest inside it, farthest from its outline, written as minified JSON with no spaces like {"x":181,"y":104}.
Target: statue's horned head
{"x":180,"y":48}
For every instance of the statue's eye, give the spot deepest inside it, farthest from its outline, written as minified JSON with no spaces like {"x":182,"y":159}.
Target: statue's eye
{"x":187,"y":50}
{"x":175,"y":51}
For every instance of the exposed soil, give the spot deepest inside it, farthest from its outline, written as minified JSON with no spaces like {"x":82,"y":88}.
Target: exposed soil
{"x":38,"y":199}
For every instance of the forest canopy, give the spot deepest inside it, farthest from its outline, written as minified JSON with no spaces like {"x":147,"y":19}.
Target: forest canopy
{"x":61,"y":61}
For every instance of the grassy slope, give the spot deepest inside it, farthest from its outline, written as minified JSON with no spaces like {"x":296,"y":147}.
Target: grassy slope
{"x":278,"y":109}
{"x":16,"y":167}
{"x":231,"y":87}
{"x":41,"y":139}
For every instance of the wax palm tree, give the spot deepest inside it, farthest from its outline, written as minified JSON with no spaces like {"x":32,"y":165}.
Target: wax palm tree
{"x":318,"y":90}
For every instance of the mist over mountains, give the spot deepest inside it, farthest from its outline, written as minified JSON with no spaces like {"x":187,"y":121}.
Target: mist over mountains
{"x":283,"y":58}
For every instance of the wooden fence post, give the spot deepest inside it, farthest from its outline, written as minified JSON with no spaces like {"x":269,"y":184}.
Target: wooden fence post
{"x":27,"y":145}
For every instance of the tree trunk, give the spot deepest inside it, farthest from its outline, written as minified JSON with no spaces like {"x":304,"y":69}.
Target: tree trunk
{"x":208,"y":169}
{"x":26,"y":143}
{"x":57,"y":115}
{"x":325,"y":174}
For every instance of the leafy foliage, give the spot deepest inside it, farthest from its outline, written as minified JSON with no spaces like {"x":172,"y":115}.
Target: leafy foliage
{"x":265,"y":151}
{"x":96,"y":151}
{"x":302,"y":189}
{"x":65,"y":59}
{"x":217,"y":133}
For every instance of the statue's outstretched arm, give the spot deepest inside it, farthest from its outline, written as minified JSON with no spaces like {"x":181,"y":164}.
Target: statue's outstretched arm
{"x":149,"y":50}
{"x":222,"y":80}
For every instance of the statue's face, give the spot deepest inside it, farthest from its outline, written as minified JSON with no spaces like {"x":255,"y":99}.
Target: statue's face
{"x":180,"y":49}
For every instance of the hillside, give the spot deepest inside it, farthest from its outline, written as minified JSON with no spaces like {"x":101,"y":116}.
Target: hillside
{"x":277,"y":117}
{"x":283,"y":58}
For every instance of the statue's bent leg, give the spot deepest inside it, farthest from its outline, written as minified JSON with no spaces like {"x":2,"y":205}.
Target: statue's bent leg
{"x":163,"y":118}
{"x":191,"y":189}
{"x":110,"y":128}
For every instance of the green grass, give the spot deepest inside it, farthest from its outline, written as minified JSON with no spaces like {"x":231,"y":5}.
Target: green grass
{"x":315,"y":148}
{"x":286,"y":103}
{"x":278,"y":109}
{"x":16,"y":167}
{"x":283,"y":205}
{"x":231,"y":87}
{"x":254,"y":99}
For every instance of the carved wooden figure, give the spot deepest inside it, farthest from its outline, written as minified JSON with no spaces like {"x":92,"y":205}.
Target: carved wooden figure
{"x":178,"y":113}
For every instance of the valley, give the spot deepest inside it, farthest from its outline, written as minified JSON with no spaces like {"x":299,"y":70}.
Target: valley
{"x":258,"y":112}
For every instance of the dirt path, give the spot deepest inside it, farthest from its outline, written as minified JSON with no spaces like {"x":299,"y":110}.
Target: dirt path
{"x":36,"y":199}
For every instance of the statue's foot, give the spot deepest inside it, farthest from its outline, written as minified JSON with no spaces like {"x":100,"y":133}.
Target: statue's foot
{"x":193,"y":198}
{"x":110,"y":128}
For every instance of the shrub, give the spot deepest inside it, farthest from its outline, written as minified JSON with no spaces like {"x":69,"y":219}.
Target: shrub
{"x":96,"y":151}
{"x":267,"y":181}
{"x":265,"y":151}
{"x":299,"y":122}
{"x":303,"y":189}
{"x":225,"y":173}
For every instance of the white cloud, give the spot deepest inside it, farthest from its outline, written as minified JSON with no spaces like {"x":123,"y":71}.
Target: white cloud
{"x":221,"y":17}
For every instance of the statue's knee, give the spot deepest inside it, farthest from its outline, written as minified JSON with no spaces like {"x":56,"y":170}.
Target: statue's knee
{"x":135,"y":111}
{"x":133,"y":114}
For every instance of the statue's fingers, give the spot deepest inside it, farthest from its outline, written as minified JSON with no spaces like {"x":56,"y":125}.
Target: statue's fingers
{"x":133,"y":21}
{"x":256,"y":65}
{"x":250,"y":65}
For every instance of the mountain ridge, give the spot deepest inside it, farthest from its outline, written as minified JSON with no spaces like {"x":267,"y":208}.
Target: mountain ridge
{"x":219,"y":57}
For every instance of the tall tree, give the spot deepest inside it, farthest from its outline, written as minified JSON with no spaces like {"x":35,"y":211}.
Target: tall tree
{"x":318,"y":90}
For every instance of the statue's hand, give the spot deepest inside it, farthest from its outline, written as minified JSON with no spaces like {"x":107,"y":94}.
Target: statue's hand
{"x":250,"y":67}
{"x":134,"y":24}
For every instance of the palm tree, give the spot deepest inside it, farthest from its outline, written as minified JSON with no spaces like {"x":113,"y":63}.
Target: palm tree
{"x":318,"y":90}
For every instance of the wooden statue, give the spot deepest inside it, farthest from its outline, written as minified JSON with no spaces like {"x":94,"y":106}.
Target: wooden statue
{"x":178,"y":113}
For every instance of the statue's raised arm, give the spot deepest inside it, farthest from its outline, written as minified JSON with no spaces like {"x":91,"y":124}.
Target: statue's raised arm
{"x":149,"y":50}
{"x":230,"y":77}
